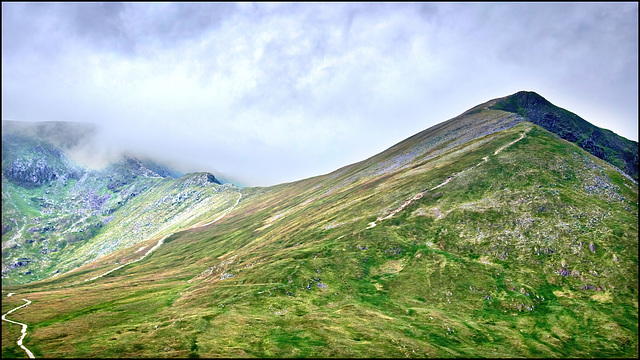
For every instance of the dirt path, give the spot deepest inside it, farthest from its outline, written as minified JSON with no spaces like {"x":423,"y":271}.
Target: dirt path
{"x":221,"y":216}
{"x":24,"y":326}
{"x":166,"y":236}
{"x":131,"y":262}
{"x":446,"y":181}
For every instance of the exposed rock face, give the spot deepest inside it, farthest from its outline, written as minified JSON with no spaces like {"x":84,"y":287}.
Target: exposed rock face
{"x":591,"y":144}
{"x":201,"y":179}
{"x":33,"y":166}
{"x":30,"y":174}
{"x":129,"y":168}
{"x":17,"y":264}
{"x":212,"y":179}
{"x":134,"y":164}
{"x":95,"y":201}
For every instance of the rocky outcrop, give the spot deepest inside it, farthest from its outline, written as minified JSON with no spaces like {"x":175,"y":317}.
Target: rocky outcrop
{"x":94,"y":201}
{"x":200,"y":179}
{"x":591,"y":144}
{"x":30,"y":174}
{"x":36,"y":165}
{"x":35,"y":169}
{"x":16,"y":264}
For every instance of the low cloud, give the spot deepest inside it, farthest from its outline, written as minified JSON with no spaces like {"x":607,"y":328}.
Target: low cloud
{"x":277,"y":92}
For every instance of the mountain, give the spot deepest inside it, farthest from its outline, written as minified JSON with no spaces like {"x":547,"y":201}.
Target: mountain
{"x":602,"y":143}
{"x":483,"y":236}
{"x":58,"y":214}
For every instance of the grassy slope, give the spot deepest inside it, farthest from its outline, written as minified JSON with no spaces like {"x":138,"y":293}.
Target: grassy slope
{"x":154,"y":213}
{"x":160,"y":207}
{"x":80,"y":216}
{"x":473,"y":268}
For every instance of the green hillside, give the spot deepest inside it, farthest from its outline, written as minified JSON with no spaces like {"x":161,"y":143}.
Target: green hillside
{"x":58,"y":215}
{"x":484,"y":236}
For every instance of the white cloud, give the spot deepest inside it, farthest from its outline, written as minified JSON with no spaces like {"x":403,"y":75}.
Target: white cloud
{"x":278,"y":92}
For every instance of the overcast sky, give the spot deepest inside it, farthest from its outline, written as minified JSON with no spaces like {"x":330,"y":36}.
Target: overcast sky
{"x":271,"y":93}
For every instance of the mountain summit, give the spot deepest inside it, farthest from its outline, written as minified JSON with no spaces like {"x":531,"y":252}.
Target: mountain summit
{"x":602,"y":143}
{"x":486,"y":235}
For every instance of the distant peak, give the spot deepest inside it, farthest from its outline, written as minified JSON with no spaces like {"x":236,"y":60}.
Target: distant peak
{"x":201,"y":178}
{"x":526,"y":93}
{"x":526,"y":99}
{"x":520,"y":102}
{"x":571,"y":127}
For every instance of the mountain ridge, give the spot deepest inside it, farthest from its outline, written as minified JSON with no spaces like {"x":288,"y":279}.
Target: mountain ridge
{"x":480,"y":120}
{"x":493,"y":237}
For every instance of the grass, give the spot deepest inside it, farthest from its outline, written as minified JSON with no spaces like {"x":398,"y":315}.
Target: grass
{"x":471,"y":269}
{"x":60,"y":246}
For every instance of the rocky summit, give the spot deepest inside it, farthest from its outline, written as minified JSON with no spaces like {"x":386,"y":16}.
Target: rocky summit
{"x":510,"y":230}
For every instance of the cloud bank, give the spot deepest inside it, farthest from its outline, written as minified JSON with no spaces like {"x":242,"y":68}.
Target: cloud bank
{"x":270,"y":93}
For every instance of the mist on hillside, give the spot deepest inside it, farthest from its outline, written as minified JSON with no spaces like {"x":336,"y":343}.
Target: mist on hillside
{"x":95,"y":147}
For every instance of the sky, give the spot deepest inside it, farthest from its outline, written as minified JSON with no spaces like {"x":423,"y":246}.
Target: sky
{"x":267,"y":93}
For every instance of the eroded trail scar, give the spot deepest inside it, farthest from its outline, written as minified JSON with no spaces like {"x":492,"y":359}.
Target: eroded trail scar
{"x":24,"y":327}
{"x":166,"y":236}
{"x":446,"y":181}
{"x":131,"y":262}
{"x":223,"y":214}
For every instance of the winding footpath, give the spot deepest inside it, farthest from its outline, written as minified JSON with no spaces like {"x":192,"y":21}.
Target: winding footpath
{"x":446,"y":181}
{"x":131,"y":262}
{"x":24,"y":326}
{"x":371,"y":225}
{"x":164,"y":237}
{"x":221,"y":216}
